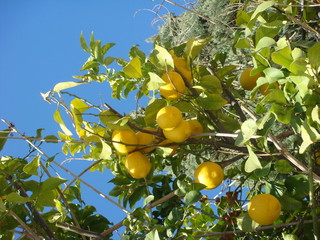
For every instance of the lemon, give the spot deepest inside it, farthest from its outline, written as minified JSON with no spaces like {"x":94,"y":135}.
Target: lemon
{"x":137,"y":164}
{"x":181,"y":66}
{"x":209,"y":174}
{"x":174,"y":86}
{"x":124,"y":140}
{"x":264,"y":88}
{"x":168,"y":117}
{"x":145,"y":139}
{"x":196,"y":127}
{"x":173,"y":147}
{"x":247,"y":81}
{"x":180,"y":133}
{"x":264,"y":209}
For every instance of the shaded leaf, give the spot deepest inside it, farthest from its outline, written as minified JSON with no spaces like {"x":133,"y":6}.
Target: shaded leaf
{"x":192,"y":197}
{"x":246,"y":224}
{"x":3,"y":140}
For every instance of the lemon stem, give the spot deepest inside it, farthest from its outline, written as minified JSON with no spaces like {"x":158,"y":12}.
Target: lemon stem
{"x":312,"y":199}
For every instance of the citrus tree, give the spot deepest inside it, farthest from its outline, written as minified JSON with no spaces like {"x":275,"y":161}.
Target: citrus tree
{"x":248,"y":131}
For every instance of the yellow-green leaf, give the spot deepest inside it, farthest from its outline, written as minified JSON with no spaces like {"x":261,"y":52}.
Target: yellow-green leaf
{"x":64,"y":85}
{"x":133,"y":68}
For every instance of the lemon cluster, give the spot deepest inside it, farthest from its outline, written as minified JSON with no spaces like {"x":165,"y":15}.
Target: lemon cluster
{"x":127,"y":142}
{"x":174,"y":86}
{"x":174,"y":127}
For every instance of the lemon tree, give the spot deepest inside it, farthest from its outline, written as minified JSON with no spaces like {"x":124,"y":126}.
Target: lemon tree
{"x":212,"y":151}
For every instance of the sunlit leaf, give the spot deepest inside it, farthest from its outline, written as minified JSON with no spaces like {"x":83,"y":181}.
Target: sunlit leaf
{"x":51,"y":183}
{"x":64,"y":85}
{"x":161,"y":58}
{"x":106,"y":150}
{"x":3,"y":139}
{"x":155,"y":81}
{"x":133,"y":68}
{"x":57,"y":117}
{"x":246,"y":224}
{"x":32,"y":167}
{"x":252,"y":162}
{"x":313,"y":55}
{"x":83,"y":43}
{"x":194,"y":46}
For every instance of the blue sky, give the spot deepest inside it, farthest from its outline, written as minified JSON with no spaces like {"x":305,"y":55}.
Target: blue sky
{"x":39,"y":44}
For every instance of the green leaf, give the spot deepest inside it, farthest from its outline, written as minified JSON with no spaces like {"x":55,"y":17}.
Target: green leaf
{"x":243,"y":43}
{"x":211,"y":84}
{"x":283,"y":57}
{"x":248,"y":129}
{"x":246,"y":224}
{"x":283,"y":113}
{"x":252,"y":162}
{"x":265,"y":42}
{"x":16,"y":198}
{"x":192,"y":197}
{"x":57,"y":117}
{"x":261,"y":8}
{"x":32,"y":167}
{"x":108,"y":60}
{"x":315,"y":115}
{"x":302,"y":83}
{"x":106,"y":150}
{"x":51,"y":183}
{"x":112,"y":120}
{"x":152,"y":109}
{"x":194,"y":46}
{"x":133,"y":68}
{"x":155,"y":81}
{"x":148,"y":200}
{"x":51,"y":139}
{"x":309,"y":136}
{"x":211,"y":101}
{"x":3,"y":140}
{"x":283,"y":166}
{"x":269,"y":29}
{"x":161,"y":58}
{"x":297,"y":186}
{"x":290,"y":204}
{"x":83,"y":43}
{"x":64,"y":85}
{"x":90,"y":64}
{"x":314,"y":56}
{"x":153,"y":235}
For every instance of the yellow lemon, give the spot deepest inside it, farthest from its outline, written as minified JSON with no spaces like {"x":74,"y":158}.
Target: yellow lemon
{"x":247,"y":81}
{"x":264,"y":88}
{"x":181,"y":66}
{"x":209,"y":174}
{"x":180,"y":133}
{"x":174,"y":86}
{"x":196,"y":127}
{"x":137,"y":164}
{"x":264,"y":209}
{"x":168,"y":117}
{"x":145,"y":139}
{"x":124,"y":140}
{"x":173,"y":147}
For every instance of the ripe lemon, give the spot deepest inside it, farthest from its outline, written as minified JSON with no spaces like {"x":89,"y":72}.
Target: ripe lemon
{"x":196,"y":127}
{"x":264,"y":209}
{"x":247,"y":81}
{"x":122,"y":137}
{"x":145,"y":139}
{"x":180,"y":133}
{"x":264,"y":88}
{"x":209,"y":174}
{"x":137,"y":164}
{"x":181,"y":66}
{"x":174,"y":86}
{"x":168,"y":117}
{"x":173,"y":147}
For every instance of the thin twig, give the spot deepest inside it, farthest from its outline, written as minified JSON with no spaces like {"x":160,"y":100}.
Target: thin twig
{"x":79,"y":231}
{"x":24,"y":226}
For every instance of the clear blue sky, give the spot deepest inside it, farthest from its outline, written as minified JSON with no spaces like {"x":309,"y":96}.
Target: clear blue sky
{"x":39,"y":45}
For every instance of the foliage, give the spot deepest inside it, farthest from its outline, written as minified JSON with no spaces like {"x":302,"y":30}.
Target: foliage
{"x":264,"y":143}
